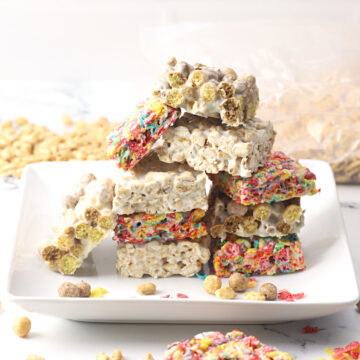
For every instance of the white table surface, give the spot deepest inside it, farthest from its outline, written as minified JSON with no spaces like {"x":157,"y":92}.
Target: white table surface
{"x":58,"y":339}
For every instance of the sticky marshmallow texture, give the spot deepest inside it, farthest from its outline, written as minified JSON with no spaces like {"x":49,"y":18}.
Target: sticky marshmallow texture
{"x":281,"y":178}
{"x":258,"y":256}
{"x":185,"y":258}
{"x":134,"y":138}
{"x":215,"y":345}
{"x":275,"y":219}
{"x":141,"y":227}
{"x":206,"y":145}
{"x":208,"y":91}
{"x":154,"y":187}
{"x":86,"y":220}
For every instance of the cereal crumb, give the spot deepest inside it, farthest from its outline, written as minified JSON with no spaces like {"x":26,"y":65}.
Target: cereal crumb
{"x":252,"y":283}
{"x":310,"y":329}
{"x":211,"y":284}
{"x":181,"y":296}
{"x":288,"y":296}
{"x":269,"y":290}
{"x":146,"y":288}
{"x":148,"y":356}
{"x":85,"y":288}
{"x":34,"y":357}
{"x":117,"y":355}
{"x":254,"y":296}
{"x":98,"y":292}
{"x":102,"y":356}
{"x":226,"y":292}
{"x":21,"y":326}
{"x":68,"y":289}
{"x":238,"y":282}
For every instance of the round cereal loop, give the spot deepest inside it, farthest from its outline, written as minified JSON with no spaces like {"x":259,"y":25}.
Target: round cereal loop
{"x":197,"y":78}
{"x":283,"y":227}
{"x":262,"y":212}
{"x":238,"y":282}
{"x":234,"y":208}
{"x":174,"y":98}
{"x":292,"y":213}
{"x":249,"y":224}
{"x":226,"y":90}
{"x":254,"y":296}
{"x":226,"y":292}
{"x":217,"y":230}
{"x":21,"y":326}
{"x":269,"y":290}
{"x":232,"y":223}
{"x":176,"y":79}
{"x":208,"y":91}
{"x":211,"y":284}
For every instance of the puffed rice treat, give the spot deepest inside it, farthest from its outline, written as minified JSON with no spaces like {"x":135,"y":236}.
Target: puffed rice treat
{"x":208,"y":91}
{"x":257,"y":255}
{"x":215,"y":345}
{"x":158,"y":259}
{"x":275,"y":219}
{"x":133,"y":139}
{"x":86,"y":220}
{"x":281,"y":178}
{"x":206,"y":145}
{"x":154,"y":187}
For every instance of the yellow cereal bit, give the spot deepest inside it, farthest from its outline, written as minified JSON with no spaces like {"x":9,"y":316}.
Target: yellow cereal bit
{"x":208,"y":91}
{"x":205,"y":342}
{"x":176,"y":79}
{"x":198,"y":214}
{"x":252,"y":283}
{"x":98,"y":292}
{"x":279,"y":354}
{"x":197,"y":78}
{"x":95,"y":235}
{"x":174,"y":98}
{"x":91,"y":214}
{"x":247,"y":243}
{"x":67,"y":264}
{"x":251,"y":251}
{"x":65,"y":242}
{"x":77,"y":250}
{"x":254,"y":296}
{"x":82,"y":230}
{"x":106,"y":222}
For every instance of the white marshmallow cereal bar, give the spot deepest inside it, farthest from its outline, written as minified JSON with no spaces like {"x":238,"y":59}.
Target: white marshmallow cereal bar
{"x":208,"y":91}
{"x":155,"y":187}
{"x":86,"y":220}
{"x":208,"y":146}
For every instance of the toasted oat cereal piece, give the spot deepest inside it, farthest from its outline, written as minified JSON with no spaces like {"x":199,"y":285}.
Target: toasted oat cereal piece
{"x":260,"y":220}
{"x":68,"y":289}
{"x":148,"y":356}
{"x":215,"y":345}
{"x":85,"y":288}
{"x":208,"y":91}
{"x":102,"y":356}
{"x":226,"y":292}
{"x":257,"y":256}
{"x":21,"y":326}
{"x":157,"y":259}
{"x":238,"y":282}
{"x":146,"y":288}
{"x":211,"y":284}
{"x":86,"y":220}
{"x":117,"y":355}
{"x":154,"y":187}
{"x":133,"y":138}
{"x":205,"y":145}
{"x":269,"y":290}
{"x":254,"y":296}
{"x":281,"y":178}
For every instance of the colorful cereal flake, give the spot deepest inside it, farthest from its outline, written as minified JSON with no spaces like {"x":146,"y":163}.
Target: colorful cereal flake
{"x":349,"y":352}
{"x":288,"y":296}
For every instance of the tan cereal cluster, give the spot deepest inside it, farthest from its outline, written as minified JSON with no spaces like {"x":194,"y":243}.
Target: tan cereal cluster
{"x":146,"y":288}
{"x":23,"y":143}
{"x":254,"y":296}
{"x":21,"y":326}
{"x":68,"y":289}
{"x":116,"y":355}
{"x":208,"y":91}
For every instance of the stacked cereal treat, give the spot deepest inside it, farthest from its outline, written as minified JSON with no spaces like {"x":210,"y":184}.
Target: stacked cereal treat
{"x":215,"y":345}
{"x":86,"y":220}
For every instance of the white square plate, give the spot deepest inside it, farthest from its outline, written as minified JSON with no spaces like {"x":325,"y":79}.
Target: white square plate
{"x":328,"y":282}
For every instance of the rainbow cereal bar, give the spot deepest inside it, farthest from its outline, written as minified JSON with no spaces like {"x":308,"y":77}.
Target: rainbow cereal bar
{"x":274,"y":219}
{"x":159,"y":259}
{"x":281,"y":178}
{"x":154,"y":187}
{"x":214,"y":345}
{"x":209,"y":146}
{"x":141,"y":227}
{"x":258,"y":256}
{"x":208,"y":91}
{"x":132,"y":139}
{"x":86,"y":220}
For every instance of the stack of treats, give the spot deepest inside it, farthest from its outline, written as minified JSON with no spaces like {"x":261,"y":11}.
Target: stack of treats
{"x":197,"y":185}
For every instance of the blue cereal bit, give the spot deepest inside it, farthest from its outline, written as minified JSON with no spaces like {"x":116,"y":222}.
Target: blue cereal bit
{"x":201,"y":276}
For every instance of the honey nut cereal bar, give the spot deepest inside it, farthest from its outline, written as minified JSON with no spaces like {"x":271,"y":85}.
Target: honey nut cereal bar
{"x":86,"y":220}
{"x":209,"y":146}
{"x":154,"y":187}
{"x":257,"y":255}
{"x":281,"y":178}
{"x":141,"y":227}
{"x":274,"y":219}
{"x":158,"y":259}
{"x":215,"y":345}
{"x":208,"y":91}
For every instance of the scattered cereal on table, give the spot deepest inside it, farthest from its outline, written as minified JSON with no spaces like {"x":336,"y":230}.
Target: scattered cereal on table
{"x":211,"y":284}
{"x":269,"y":290}
{"x":148,"y":356}
{"x":349,"y":352}
{"x":226,"y":292}
{"x":254,"y":296}
{"x":98,"y":292}
{"x":288,"y":296}
{"x":238,"y":282}
{"x":146,"y":288}
{"x":117,"y":355}
{"x":68,"y":289}
{"x":21,"y":326}
{"x":102,"y":356}
{"x":310,"y":329}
